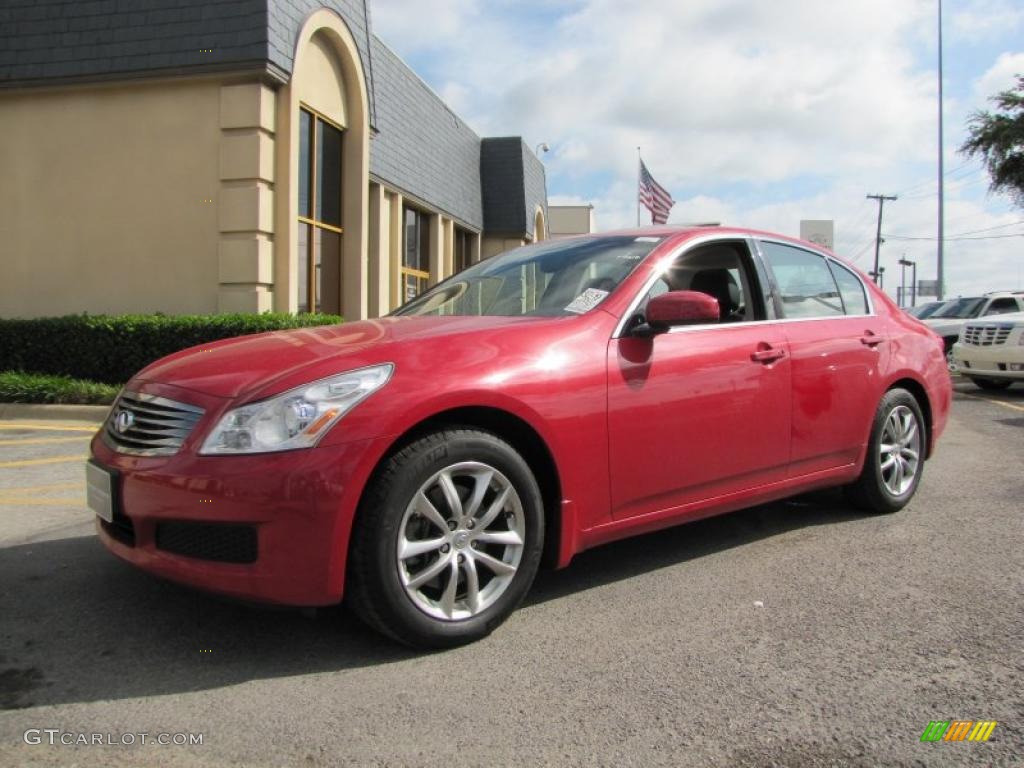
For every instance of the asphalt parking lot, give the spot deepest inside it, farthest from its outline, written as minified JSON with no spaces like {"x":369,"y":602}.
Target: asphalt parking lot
{"x":796,"y":634}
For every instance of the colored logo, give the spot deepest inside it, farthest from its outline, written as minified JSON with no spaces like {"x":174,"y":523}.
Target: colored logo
{"x":958,"y":730}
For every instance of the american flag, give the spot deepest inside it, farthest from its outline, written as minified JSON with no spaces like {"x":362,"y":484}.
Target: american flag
{"x":654,"y":197}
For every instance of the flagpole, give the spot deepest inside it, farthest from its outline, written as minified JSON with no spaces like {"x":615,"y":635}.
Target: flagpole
{"x":639,"y":162}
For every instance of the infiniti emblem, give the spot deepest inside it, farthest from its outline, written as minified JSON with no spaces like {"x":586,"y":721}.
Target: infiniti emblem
{"x":124,"y":421}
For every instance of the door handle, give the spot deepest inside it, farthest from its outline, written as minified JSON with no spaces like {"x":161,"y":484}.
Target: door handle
{"x":870,"y":339}
{"x":767,"y":354}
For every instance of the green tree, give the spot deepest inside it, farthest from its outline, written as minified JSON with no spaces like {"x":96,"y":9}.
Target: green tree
{"x":997,"y":137}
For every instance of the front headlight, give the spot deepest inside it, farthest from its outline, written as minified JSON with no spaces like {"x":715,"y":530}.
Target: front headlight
{"x":297,"y":418}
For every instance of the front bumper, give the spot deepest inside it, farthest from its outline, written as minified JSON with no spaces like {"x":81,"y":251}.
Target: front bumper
{"x":299,"y":504}
{"x":990,"y":362}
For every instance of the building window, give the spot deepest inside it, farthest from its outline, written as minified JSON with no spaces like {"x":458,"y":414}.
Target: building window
{"x":463,"y":249}
{"x":415,"y":270}
{"x":320,"y":228}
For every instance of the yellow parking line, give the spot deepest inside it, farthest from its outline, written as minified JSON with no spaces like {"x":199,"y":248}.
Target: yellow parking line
{"x":34,"y":462}
{"x":1003,"y":403}
{"x":36,"y":488}
{"x":46,"y":427}
{"x":14,"y":501}
{"x":45,"y":440}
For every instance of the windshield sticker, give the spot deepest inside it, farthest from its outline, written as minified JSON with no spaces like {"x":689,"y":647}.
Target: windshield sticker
{"x":645,"y":239}
{"x":586,"y":301}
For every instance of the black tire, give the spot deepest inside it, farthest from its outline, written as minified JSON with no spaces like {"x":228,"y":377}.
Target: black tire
{"x":990,"y":384}
{"x":375,"y":590}
{"x":948,"y":343}
{"x":870,"y":491}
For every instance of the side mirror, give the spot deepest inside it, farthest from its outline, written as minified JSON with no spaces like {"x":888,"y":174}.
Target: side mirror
{"x":681,"y":308}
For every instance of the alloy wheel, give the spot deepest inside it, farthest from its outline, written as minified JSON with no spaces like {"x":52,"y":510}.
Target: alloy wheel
{"x":899,"y":450}
{"x":461,"y":541}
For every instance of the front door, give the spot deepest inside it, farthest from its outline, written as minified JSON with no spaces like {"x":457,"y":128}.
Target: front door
{"x":702,"y":411}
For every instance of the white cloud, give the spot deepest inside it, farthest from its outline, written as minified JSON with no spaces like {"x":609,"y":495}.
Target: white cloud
{"x":983,"y":19}
{"x":1001,"y":76}
{"x":752,"y":113}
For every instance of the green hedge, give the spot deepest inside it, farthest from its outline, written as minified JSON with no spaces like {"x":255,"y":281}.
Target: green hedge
{"x":111,"y":349}
{"x":18,"y":387}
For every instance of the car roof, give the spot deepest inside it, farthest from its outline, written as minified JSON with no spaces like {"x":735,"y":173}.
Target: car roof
{"x":682,"y":233}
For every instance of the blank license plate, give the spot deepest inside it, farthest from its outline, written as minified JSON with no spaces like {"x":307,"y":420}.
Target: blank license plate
{"x":99,"y":486}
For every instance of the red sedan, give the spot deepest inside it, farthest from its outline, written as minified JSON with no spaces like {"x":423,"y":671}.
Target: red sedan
{"x":539,"y":403}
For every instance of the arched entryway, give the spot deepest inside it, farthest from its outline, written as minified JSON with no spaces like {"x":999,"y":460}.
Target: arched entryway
{"x":322,"y":169}
{"x":540,"y":230}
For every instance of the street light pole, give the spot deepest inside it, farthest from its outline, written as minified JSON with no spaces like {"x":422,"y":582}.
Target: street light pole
{"x":939,"y":257}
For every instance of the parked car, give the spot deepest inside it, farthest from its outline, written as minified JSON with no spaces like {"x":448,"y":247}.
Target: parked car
{"x":921,"y":311}
{"x":991,"y":353}
{"x":949,"y":320}
{"x":539,"y":403}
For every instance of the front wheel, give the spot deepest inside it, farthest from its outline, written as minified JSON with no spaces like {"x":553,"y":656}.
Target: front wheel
{"x":991,"y":384}
{"x":447,"y":540}
{"x":895,"y":457}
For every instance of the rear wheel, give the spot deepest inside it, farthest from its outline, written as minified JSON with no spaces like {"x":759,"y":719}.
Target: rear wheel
{"x":447,"y":541}
{"x":993,"y":384}
{"x":895,"y":457}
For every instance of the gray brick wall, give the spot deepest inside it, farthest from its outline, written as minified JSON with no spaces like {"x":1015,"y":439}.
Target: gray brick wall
{"x":422,"y":147}
{"x":535,"y":187}
{"x":44,"y":40}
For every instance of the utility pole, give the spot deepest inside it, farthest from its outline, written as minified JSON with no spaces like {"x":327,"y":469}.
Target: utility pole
{"x":878,"y":234}
{"x":939,"y":256}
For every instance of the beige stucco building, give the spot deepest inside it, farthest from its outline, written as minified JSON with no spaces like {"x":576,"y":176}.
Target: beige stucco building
{"x":570,"y":220}
{"x":249,"y":155}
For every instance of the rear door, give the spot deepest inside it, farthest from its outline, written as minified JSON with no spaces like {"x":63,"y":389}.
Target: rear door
{"x":839,"y":350}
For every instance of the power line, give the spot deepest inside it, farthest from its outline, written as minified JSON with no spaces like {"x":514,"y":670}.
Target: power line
{"x":933,"y":239}
{"x":989,"y":229}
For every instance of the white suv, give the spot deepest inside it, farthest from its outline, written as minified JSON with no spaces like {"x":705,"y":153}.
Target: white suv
{"x":991,"y":352}
{"x":950,"y":320}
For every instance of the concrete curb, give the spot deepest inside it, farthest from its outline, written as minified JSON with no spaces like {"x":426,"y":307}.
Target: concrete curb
{"x":45,"y":411}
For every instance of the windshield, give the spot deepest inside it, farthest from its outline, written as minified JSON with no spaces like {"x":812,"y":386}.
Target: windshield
{"x":960,"y":308}
{"x":926,"y":310}
{"x":551,"y":279}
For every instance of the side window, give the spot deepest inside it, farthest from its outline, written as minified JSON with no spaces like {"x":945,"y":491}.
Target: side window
{"x":722,"y":270}
{"x":1002,"y":306}
{"x":805,"y":282}
{"x":850,"y":290}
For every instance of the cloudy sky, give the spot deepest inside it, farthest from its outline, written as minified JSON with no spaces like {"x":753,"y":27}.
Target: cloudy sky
{"x":751,"y":113}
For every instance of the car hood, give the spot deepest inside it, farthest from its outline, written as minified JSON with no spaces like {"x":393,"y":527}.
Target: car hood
{"x":945,"y":325}
{"x":262,"y":363}
{"x":1008,"y":317}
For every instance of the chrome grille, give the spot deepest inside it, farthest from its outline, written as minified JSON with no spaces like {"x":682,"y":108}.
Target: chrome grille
{"x":987,"y":335}
{"x":147,"y":425}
